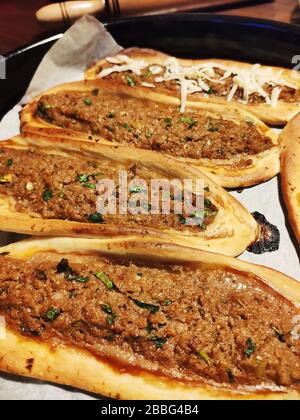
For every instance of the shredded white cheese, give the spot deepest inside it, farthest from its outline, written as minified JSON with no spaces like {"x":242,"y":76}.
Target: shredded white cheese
{"x":199,"y":78}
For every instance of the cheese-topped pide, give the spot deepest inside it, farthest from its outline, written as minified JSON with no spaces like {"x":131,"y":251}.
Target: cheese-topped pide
{"x":266,"y":91}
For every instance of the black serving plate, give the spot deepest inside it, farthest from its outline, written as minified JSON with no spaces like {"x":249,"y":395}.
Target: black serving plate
{"x":182,"y":35}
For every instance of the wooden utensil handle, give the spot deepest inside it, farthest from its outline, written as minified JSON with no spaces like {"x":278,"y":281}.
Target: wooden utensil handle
{"x":71,"y":10}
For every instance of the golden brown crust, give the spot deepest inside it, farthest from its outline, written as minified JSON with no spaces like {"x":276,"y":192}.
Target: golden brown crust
{"x":228,"y":173}
{"x":290,"y":171}
{"x":233,"y":230}
{"x":273,"y":116}
{"x":70,"y":366}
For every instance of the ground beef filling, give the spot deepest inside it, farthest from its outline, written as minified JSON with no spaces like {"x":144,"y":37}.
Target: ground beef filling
{"x":153,"y":126}
{"x":195,"y":324}
{"x":288,"y":94}
{"x":56,"y":187}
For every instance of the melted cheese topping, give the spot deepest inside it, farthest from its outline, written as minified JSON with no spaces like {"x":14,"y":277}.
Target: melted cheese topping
{"x":192,"y":79}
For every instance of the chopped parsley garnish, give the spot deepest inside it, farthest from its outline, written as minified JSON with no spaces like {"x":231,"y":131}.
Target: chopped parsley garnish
{"x":111,"y":115}
{"x":135,"y":190}
{"x":84,"y":179}
{"x":52,"y":314}
{"x":78,"y":279}
{"x":96,"y":218}
{"x":182,"y":220}
{"x":149,"y":134}
{"x":250,"y":349}
{"x":168,"y":122}
{"x":139,"y":274}
{"x":189,"y":121}
{"x":47,"y":194}
{"x":207,"y":203}
{"x":159,"y":342}
{"x":95,"y":92}
{"x":105,"y":280}
{"x":87,"y":101}
{"x":9,"y":163}
{"x":213,"y":129}
{"x":204,"y":356}
{"x":230,"y":375}
{"x":148,"y":73}
{"x":126,"y":126}
{"x":108,"y":310}
{"x":168,"y":302}
{"x":211,"y":91}
{"x":151,"y":308}
{"x":130,"y":81}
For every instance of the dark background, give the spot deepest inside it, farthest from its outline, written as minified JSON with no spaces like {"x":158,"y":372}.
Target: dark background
{"x":18,"y":25}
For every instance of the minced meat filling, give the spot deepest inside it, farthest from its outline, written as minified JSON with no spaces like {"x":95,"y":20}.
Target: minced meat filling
{"x":192,"y":323}
{"x":151,"y":125}
{"x":57,"y":187}
{"x":216,"y":89}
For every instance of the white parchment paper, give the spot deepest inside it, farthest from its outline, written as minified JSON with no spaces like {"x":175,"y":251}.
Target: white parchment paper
{"x":85,"y":42}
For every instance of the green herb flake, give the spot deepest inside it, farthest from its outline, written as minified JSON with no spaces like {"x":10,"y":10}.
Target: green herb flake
{"x":9,"y":163}
{"x":204,"y":356}
{"x":108,"y":310}
{"x":139,"y":274}
{"x":159,"y":342}
{"x":230,"y":375}
{"x":168,"y":302}
{"x":88,"y":101}
{"x":213,"y":129}
{"x":151,"y":308}
{"x":250,"y":349}
{"x":208,"y":203}
{"x":189,"y":121}
{"x":148,"y":73}
{"x":211,"y":91}
{"x":95,"y":92}
{"x":135,"y":190}
{"x":206,"y":189}
{"x":78,"y":279}
{"x":96,"y":218}
{"x":47,"y":194}
{"x":111,"y":115}
{"x":182,"y":220}
{"x":130,"y":81}
{"x":52,"y":314}
{"x":127,"y":127}
{"x":149,"y":134}
{"x":105,"y":280}
{"x":168,"y":122}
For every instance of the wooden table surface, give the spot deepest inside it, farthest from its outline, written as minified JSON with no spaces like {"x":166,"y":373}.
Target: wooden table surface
{"x":18,"y":25}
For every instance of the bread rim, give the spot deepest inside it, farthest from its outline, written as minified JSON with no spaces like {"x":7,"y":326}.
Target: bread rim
{"x":290,"y":171}
{"x":233,"y":230}
{"x":67,"y":365}
{"x":273,"y":116}
{"x":264,"y":165}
